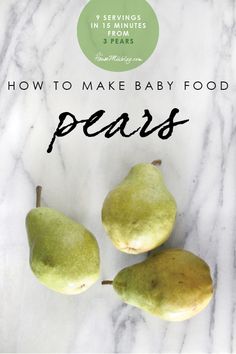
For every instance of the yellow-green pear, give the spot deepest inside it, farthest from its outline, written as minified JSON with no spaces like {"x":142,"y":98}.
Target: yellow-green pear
{"x":173,"y":284}
{"x":139,"y":214}
{"x":64,"y":255}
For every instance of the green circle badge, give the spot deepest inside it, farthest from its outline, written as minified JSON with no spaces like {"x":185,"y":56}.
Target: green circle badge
{"x":118,"y":35}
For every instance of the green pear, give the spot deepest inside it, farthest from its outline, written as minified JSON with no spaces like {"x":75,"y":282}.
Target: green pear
{"x":139,"y":214}
{"x":64,"y":255}
{"x":173,"y":284}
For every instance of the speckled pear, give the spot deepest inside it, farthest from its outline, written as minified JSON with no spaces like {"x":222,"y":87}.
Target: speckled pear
{"x":139,"y":214}
{"x":173,"y":284}
{"x":64,"y":255}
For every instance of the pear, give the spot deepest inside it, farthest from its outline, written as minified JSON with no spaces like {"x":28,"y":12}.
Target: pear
{"x":173,"y":284}
{"x":139,"y":214}
{"x":64,"y":255}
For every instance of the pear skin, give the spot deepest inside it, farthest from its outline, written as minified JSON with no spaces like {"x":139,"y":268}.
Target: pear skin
{"x":64,"y":255}
{"x":173,"y":284}
{"x":139,"y":214}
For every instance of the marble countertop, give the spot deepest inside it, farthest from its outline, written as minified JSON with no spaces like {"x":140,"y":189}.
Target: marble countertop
{"x":38,"y":42}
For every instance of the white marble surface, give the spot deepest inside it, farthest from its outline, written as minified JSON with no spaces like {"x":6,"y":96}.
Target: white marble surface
{"x":38,"y":42}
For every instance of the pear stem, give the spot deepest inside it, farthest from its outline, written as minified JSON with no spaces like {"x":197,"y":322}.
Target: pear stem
{"x":107,"y":282}
{"x":156,"y":162}
{"x":38,"y":196}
